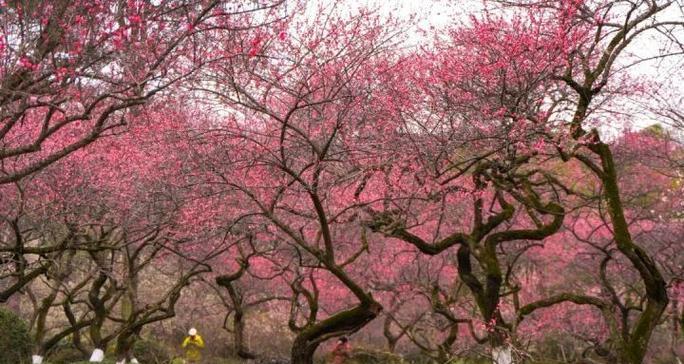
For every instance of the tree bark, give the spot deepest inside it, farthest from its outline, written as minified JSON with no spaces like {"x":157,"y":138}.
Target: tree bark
{"x":239,"y":324}
{"x":341,"y":323}
{"x":227,"y":281}
{"x":633,"y":349}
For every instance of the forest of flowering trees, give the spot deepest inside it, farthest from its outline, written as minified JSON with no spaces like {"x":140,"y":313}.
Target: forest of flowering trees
{"x":505,"y":186}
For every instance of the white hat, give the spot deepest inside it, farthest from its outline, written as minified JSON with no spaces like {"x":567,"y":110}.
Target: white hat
{"x":192,"y":332}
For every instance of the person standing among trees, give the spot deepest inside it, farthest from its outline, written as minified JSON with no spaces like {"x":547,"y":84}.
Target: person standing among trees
{"x":342,"y":351}
{"x":193,"y":344}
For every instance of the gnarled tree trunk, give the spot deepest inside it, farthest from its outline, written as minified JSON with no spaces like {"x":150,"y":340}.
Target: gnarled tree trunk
{"x":341,"y":323}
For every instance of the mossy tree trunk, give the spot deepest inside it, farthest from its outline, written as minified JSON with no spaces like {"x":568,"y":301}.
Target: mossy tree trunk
{"x":634,"y":345}
{"x":634,"y":336}
{"x":341,"y":323}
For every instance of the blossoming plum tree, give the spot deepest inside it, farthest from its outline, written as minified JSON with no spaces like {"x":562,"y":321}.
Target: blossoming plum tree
{"x":292,"y":152}
{"x":71,"y":70}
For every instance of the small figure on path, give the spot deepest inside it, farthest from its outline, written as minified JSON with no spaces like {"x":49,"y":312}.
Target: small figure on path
{"x":342,"y":351}
{"x":193,"y":345}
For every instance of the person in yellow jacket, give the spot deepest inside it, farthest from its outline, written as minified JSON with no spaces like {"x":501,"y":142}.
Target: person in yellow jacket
{"x":193,"y":345}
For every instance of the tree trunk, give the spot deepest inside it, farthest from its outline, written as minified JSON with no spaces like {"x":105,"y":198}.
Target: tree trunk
{"x":633,"y":349}
{"x":392,"y":344}
{"x":392,"y":340}
{"x":239,"y":331}
{"x":303,"y":350}
{"x":487,"y":298}
{"x":341,"y":323}
{"x":124,"y":347}
{"x":227,"y":281}
{"x":240,"y":345}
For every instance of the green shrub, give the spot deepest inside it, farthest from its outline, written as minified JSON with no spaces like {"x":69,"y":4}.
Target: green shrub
{"x":16,"y":343}
{"x":417,"y":357}
{"x":65,"y":355}
{"x":362,"y":356}
{"x":149,"y":352}
{"x":231,"y":360}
